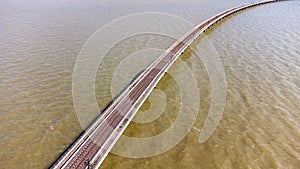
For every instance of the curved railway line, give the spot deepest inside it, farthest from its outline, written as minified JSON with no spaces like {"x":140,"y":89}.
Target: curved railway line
{"x":92,"y":146}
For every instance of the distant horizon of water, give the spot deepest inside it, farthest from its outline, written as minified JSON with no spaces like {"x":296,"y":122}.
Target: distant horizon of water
{"x":259,"y":49}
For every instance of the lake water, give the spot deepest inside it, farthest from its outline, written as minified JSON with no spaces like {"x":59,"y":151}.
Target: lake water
{"x":259,"y":50}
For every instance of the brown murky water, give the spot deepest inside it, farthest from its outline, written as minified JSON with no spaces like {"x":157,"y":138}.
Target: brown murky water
{"x":259,"y":49}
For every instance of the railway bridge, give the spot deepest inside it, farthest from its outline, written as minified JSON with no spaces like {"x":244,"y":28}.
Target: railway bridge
{"x":93,"y":145}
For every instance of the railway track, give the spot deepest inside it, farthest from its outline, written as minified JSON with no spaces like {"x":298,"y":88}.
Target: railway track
{"x":92,"y":146}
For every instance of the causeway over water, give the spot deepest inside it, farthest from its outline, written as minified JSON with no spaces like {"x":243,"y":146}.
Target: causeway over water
{"x":93,"y":145}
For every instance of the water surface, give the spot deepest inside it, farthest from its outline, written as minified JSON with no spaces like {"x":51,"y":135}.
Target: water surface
{"x":259,"y":48}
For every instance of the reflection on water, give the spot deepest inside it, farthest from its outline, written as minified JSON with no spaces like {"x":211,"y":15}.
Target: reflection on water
{"x":259,"y":49}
